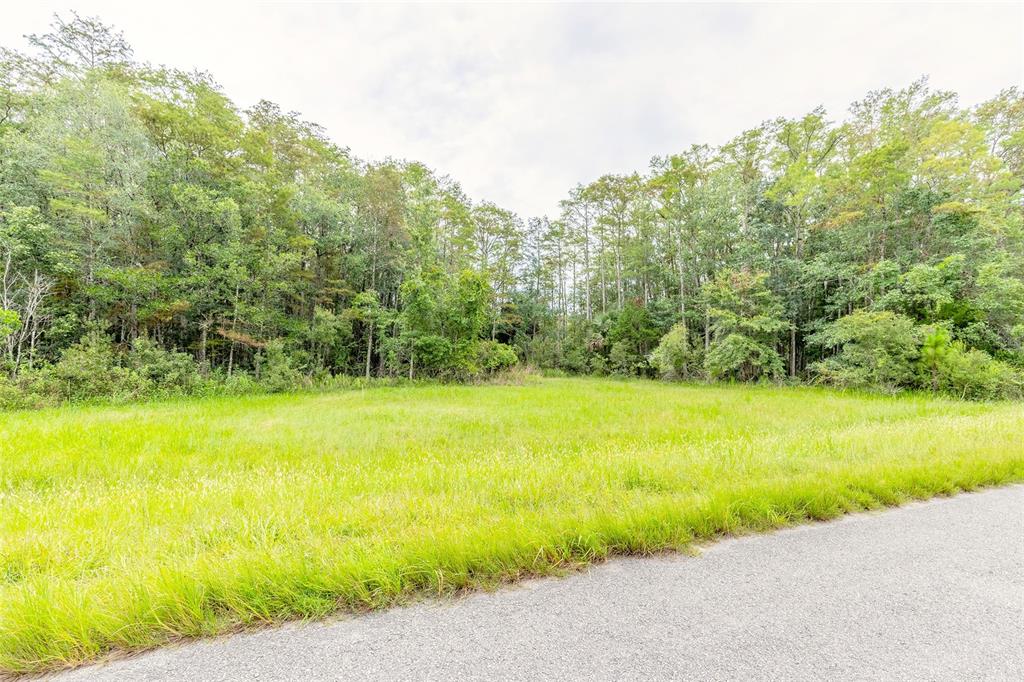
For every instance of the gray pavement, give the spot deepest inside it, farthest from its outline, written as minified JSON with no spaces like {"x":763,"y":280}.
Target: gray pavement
{"x":931,"y":591}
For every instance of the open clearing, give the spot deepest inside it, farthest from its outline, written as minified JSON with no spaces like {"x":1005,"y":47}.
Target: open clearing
{"x":127,"y":527}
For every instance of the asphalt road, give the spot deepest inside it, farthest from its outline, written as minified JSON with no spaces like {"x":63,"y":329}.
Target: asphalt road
{"x":930,"y":591}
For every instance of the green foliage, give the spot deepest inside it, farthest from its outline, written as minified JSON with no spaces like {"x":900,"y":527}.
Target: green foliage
{"x":949,"y":366}
{"x":632,"y":336}
{"x":275,"y":368}
{"x":9,"y":323}
{"x":166,"y":371}
{"x":935,"y":352}
{"x":745,"y":319}
{"x":873,"y":349}
{"x":973,"y":374}
{"x":625,"y":358}
{"x":741,"y":302}
{"x":141,"y":201}
{"x":91,"y":369}
{"x":675,"y":358}
{"x":886,"y":350}
{"x":1000,"y":294}
{"x":330,"y":339}
{"x":741,"y":357}
{"x":432,"y":354}
{"x":442,"y":319}
{"x":494,"y":357}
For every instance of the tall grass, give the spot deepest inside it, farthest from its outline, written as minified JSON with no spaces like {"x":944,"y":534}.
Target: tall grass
{"x":123,"y":528}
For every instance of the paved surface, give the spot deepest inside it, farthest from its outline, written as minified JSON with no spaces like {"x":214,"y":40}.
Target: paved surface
{"x":930,"y":591}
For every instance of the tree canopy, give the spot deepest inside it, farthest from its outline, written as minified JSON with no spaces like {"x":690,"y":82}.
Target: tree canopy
{"x":139,"y":205}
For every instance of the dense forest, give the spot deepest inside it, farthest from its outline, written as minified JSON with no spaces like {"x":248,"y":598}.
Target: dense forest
{"x":155,"y":238}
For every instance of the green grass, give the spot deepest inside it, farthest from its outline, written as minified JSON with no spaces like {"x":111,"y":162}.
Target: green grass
{"x":123,"y":528}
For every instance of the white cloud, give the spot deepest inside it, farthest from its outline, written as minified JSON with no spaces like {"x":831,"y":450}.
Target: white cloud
{"x":521,"y":102}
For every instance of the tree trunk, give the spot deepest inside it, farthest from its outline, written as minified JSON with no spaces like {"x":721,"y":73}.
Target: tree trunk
{"x":369,"y":349}
{"x":202,"y":344}
{"x":586,"y":266}
{"x":792,"y":351}
{"x":234,"y":326}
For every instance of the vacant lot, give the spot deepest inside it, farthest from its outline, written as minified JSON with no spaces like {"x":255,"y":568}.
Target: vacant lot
{"x":126,"y":527}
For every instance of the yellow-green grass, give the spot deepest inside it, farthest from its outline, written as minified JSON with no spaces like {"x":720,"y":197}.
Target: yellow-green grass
{"x":123,"y":528}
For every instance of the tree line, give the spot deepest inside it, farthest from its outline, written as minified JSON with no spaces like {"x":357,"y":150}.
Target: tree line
{"x":154,"y":237}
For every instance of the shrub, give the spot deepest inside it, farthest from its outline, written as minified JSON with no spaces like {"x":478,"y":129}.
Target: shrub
{"x":493,"y":356}
{"x":975,"y":375}
{"x":738,"y":356}
{"x":875,"y":349}
{"x":276,"y":369}
{"x":236,"y":383}
{"x":634,"y":326}
{"x":167,"y":371}
{"x":12,"y":394}
{"x":675,"y":357}
{"x":90,"y":369}
{"x":542,"y":350}
{"x":432,"y":354}
{"x":935,"y":351}
{"x":575,"y":359}
{"x":626,"y":359}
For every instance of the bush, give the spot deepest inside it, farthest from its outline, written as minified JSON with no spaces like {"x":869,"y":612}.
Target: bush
{"x":626,"y":359}
{"x":542,"y":351}
{"x":13,"y":395}
{"x":90,"y":369}
{"x":632,"y":336}
{"x":675,"y":357}
{"x":220,"y":382}
{"x":738,"y":356}
{"x":493,"y":356}
{"x":934,"y":351}
{"x":575,"y":359}
{"x":95,"y":369}
{"x":432,"y":355}
{"x":169,"y":372}
{"x":975,"y":375}
{"x":276,"y":370}
{"x":876,"y":350}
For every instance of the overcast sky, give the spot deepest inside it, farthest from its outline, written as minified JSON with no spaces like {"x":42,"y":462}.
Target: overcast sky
{"x":520,"y":102}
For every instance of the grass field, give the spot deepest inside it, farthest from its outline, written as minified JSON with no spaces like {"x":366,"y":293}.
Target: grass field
{"x":125,"y":527}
